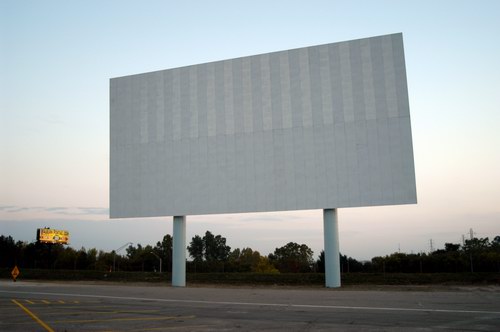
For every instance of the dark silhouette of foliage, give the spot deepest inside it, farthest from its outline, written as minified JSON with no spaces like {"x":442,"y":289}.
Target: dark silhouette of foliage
{"x":211,"y":254}
{"x":292,"y":257}
{"x":210,"y":248}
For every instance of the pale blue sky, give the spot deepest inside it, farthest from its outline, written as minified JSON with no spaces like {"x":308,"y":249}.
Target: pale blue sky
{"x":56,"y":59}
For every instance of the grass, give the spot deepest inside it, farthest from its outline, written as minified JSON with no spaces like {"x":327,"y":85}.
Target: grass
{"x":282,"y":279}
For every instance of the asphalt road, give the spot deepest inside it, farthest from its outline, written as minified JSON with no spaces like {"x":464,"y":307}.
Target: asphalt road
{"x":38,"y":306}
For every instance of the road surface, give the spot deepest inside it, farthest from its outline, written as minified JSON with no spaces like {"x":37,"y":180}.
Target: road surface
{"x":50,"y":306}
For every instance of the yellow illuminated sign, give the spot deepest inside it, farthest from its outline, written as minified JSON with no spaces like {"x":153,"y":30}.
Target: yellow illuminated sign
{"x":48,"y":235}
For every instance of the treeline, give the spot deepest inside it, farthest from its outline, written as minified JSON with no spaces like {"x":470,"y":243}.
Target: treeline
{"x":210,"y":253}
{"x":56,"y":256}
{"x":475,"y":255}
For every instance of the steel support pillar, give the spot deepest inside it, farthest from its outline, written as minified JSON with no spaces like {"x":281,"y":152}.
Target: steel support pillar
{"x":179,"y":252}
{"x":332,"y":254}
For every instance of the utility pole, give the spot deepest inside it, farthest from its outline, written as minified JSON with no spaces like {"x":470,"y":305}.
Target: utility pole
{"x":115,"y":251}
{"x":421,"y":266}
{"x":471,"y":234}
{"x":151,"y":252}
{"x":432,"y":245}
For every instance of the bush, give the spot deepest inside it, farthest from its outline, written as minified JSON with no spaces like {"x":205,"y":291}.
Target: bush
{"x":255,"y":279}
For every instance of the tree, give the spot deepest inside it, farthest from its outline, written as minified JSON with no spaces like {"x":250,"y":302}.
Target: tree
{"x":82,"y":261}
{"x":209,"y":248}
{"x":479,"y":250}
{"x":476,"y":245}
{"x":215,"y":247}
{"x":164,"y":250}
{"x":320,"y":263}
{"x":105,"y":261}
{"x":249,"y":259}
{"x":234,"y":256}
{"x":451,"y":247}
{"x":292,"y":257}
{"x":134,"y":257}
{"x":67,"y":259}
{"x":347,"y":264}
{"x":264,"y":266}
{"x":92,"y":259}
{"x":195,"y":248}
{"x":9,"y":251}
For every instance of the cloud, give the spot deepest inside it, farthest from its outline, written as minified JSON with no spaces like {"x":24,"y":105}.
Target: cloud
{"x":13,"y":209}
{"x":94,"y":211}
{"x":57,"y":210}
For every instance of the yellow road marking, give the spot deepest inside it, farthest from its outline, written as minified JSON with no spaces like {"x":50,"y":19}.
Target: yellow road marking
{"x":35,"y":318}
{"x":76,"y":301}
{"x":45,"y":301}
{"x":122,"y":319}
{"x":28,"y":301}
{"x":48,"y":313}
{"x":61,"y":301}
{"x":193,"y":327}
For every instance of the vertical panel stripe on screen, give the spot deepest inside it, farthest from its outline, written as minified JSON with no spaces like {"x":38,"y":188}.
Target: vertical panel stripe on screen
{"x":357,"y":80}
{"x":380,"y":90}
{"x":305,"y":88}
{"x":229,"y":100}
{"x":276,"y":90}
{"x":346,"y":79}
{"x":193,"y":102}
{"x":167,"y":105}
{"x":315,"y":86}
{"x":400,"y":74}
{"x":247,"y":95}
{"x":185,"y":103}
{"x":390,"y":77}
{"x":325,"y":84}
{"x":238,"y":95}
{"x":256,"y":93}
{"x":267,"y":115}
{"x":295,"y":89}
{"x":369,"y":93}
{"x":336,"y":83}
{"x":159,"y":108}
{"x":143,"y":113}
{"x":285,"y":90}
{"x":211,"y":114}
{"x":219,"y":92}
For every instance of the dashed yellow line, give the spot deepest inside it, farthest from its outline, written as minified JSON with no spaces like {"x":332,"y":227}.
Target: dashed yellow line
{"x":122,"y":319}
{"x":50,"y":313}
{"x":53,"y":302}
{"x":35,"y":318}
{"x":163,"y":328}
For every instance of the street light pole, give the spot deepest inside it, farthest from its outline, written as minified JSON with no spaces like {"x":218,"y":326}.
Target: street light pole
{"x":158,"y":258}
{"x":115,"y":251}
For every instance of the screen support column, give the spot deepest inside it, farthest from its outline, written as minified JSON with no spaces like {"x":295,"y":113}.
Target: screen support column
{"x":179,"y":252}
{"x":332,"y":254}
